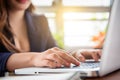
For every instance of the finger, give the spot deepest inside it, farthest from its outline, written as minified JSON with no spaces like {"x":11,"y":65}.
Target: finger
{"x":95,"y":56}
{"x":100,"y":53}
{"x":53,"y":50}
{"x":66,"y":56}
{"x":69,"y":58}
{"x":81,"y":58}
{"x":58,"y":49}
{"x":54,"y":57}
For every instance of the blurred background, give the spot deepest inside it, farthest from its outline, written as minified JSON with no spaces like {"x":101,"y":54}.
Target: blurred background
{"x":76,"y":23}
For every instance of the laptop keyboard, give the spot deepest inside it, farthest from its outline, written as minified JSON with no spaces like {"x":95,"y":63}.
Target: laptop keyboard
{"x":87,"y":65}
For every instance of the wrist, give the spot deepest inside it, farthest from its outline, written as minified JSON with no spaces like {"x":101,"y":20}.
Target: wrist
{"x":34,"y":59}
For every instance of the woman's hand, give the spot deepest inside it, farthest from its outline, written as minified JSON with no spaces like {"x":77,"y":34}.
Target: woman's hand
{"x":53,"y":58}
{"x":84,"y":54}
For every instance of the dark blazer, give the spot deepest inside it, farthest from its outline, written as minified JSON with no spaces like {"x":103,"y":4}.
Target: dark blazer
{"x":39,"y":35}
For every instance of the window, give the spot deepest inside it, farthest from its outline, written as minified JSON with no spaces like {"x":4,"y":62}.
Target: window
{"x":76,"y":20}
{"x":42,"y":2}
{"x":81,"y":27}
{"x":86,"y":2}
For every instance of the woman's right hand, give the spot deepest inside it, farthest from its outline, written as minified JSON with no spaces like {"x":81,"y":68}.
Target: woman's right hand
{"x":53,"y":58}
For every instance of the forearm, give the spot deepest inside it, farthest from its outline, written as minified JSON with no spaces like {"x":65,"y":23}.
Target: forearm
{"x":20,"y":60}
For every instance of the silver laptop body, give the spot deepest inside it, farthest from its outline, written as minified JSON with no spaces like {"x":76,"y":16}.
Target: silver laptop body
{"x":110,"y":54}
{"x":111,"y":50}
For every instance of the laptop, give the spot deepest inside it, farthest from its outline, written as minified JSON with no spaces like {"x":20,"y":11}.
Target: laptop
{"x":110,"y":55}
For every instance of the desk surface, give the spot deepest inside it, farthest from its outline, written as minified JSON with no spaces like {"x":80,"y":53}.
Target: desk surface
{"x":112,"y":76}
{"x":43,"y":76}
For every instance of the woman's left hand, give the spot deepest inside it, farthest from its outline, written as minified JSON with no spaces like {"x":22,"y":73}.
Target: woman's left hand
{"x":84,"y":54}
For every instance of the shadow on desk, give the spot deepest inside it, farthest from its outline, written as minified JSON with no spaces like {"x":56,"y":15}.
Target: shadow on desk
{"x":112,"y":76}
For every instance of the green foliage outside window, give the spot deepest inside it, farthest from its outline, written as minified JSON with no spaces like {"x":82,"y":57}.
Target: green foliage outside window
{"x":59,"y":39}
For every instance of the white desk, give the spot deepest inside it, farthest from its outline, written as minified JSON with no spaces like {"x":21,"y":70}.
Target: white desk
{"x":43,"y":76}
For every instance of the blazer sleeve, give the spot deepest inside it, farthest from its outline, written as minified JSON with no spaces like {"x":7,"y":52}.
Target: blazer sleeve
{"x":46,"y":33}
{"x":50,"y":40}
{"x":3,"y":60}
